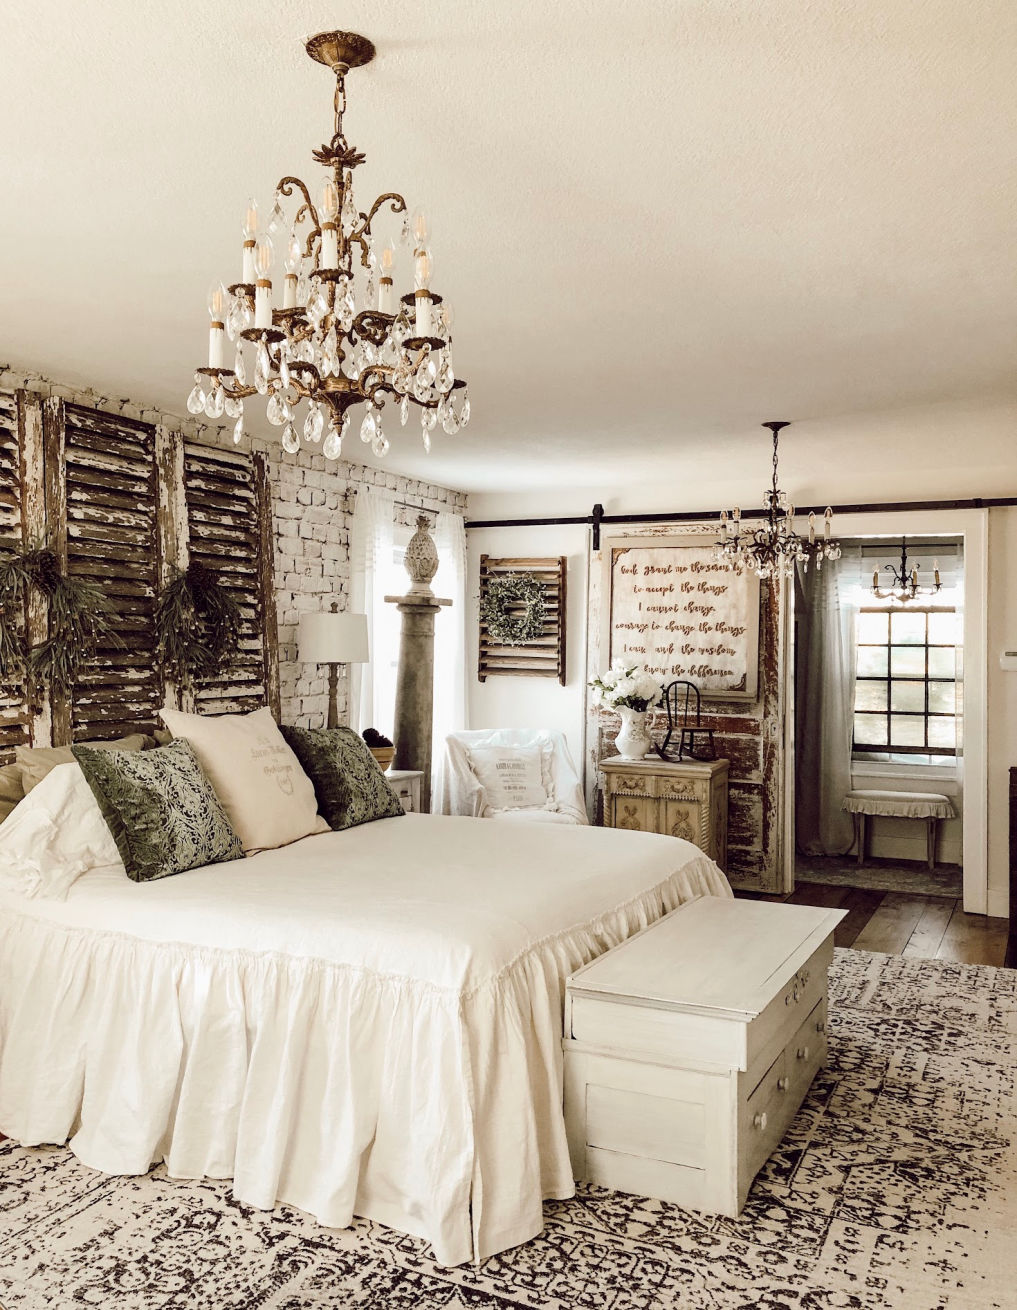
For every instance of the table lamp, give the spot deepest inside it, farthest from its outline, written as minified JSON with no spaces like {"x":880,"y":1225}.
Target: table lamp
{"x":328,"y":637}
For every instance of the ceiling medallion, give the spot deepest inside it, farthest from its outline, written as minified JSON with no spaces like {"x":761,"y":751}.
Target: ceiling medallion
{"x":904,"y":584}
{"x":774,"y":548}
{"x":338,"y":336}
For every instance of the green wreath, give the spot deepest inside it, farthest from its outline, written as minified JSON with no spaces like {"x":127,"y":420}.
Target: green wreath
{"x":80,"y":617}
{"x":197,"y":624}
{"x":507,"y":623}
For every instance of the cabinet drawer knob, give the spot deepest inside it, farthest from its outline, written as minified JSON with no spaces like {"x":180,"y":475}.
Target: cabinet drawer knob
{"x":783,"y":1083}
{"x":821,"y":1026}
{"x":805,"y":977}
{"x":803,"y":1052}
{"x":759,"y":1120}
{"x":797,"y":995}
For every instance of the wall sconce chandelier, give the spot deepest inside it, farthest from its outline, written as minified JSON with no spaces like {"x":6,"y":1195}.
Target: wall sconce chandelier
{"x":337,"y":336}
{"x":774,"y":548}
{"x":904,"y":585}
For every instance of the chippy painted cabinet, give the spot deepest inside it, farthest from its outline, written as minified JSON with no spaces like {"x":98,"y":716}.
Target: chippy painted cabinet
{"x":686,"y":799}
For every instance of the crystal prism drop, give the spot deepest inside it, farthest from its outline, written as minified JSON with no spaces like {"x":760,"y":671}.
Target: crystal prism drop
{"x":429,"y":368}
{"x":349,"y":212}
{"x":404,"y":410}
{"x":238,"y":430}
{"x":404,"y":234}
{"x":240,"y":368}
{"x":313,"y":424}
{"x":333,"y":446}
{"x":369,"y":426}
{"x":426,"y":438}
{"x":274,"y":409}
{"x":276,"y":218}
{"x":429,"y":418}
{"x":233,"y":407}
{"x":196,"y":399}
{"x":290,"y":440}
{"x":317,"y":306}
{"x":445,"y":375}
{"x":421,"y":387}
{"x":380,"y":444}
{"x":215,"y":402}
{"x":284,"y":372}
{"x":370,"y":292}
{"x":262,"y":369}
{"x":464,"y":413}
{"x":347,"y":308}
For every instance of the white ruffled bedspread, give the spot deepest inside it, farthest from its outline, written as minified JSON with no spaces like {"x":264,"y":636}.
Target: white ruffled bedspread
{"x":366,"y":1022}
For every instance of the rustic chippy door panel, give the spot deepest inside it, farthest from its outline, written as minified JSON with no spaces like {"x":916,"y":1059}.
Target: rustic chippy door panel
{"x":15,"y":716}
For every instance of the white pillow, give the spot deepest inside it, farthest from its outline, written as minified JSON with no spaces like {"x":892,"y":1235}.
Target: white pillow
{"x":55,"y":834}
{"x":266,"y":794}
{"x":512,"y":776}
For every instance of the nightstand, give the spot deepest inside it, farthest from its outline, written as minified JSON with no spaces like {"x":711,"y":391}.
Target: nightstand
{"x":406,"y":785}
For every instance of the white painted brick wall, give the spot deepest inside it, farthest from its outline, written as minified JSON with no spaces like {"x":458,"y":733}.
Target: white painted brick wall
{"x":312,"y":504}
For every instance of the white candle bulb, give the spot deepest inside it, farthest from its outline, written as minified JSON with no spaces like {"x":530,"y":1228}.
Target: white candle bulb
{"x":216,"y":347}
{"x":263,"y":303}
{"x":329,"y":201}
{"x":264,"y":256}
{"x":293,"y":253}
{"x":329,"y":245}
{"x":423,"y":320}
{"x":423,"y":268}
{"x":421,"y":228}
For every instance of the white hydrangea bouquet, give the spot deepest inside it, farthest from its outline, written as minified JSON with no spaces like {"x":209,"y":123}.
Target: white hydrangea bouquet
{"x":630,"y":691}
{"x":626,"y":686}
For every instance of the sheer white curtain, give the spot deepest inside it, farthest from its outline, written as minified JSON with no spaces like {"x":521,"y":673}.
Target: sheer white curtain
{"x":374,"y":574}
{"x":449,"y":646}
{"x":827,"y":608}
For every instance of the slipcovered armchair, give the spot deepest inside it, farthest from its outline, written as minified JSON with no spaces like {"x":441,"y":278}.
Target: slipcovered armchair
{"x":516,"y":774}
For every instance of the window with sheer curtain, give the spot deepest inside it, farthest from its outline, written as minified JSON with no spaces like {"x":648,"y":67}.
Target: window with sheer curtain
{"x":378,"y":544}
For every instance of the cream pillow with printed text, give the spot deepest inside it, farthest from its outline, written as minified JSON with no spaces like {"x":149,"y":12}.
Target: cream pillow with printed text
{"x":266,"y":794}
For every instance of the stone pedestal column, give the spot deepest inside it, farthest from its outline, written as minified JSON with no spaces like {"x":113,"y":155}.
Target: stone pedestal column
{"x":414,"y":707}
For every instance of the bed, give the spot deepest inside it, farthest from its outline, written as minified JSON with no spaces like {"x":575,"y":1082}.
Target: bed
{"x":362,"y":1023}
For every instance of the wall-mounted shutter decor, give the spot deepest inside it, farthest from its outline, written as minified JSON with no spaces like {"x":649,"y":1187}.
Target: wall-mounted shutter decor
{"x":224,"y":492}
{"x":14,"y":717}
{"x":540,"y":657}
{"x":110,"y":538}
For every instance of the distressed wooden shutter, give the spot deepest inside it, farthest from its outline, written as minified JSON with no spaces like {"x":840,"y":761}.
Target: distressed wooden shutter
{"x":229,"y":531}
{"x":107,"y":530}
{"x":15,"y":720}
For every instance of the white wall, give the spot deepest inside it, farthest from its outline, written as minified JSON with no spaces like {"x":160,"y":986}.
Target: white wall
{"x":935,"y":452}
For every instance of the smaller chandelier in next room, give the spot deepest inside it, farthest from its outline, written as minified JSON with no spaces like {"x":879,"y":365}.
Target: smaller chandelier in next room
{"x":773,"y":548}
{"x":330,"y":330}
{"x":904,"y":584}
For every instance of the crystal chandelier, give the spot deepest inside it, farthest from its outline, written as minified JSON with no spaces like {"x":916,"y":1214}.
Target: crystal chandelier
{"x":337,"y":336}
{"x":904,"y":585}
{"x":774,"y":548}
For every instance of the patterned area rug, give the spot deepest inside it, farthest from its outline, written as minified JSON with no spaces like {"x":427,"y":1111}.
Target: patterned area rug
{"x":896,"y":1186}
{"x":915,"y":877}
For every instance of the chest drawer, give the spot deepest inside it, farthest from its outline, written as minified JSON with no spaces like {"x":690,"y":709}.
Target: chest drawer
{"x":771,"y":1030}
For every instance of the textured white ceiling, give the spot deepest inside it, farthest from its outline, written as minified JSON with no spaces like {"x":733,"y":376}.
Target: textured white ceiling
{"x":659,"y":223}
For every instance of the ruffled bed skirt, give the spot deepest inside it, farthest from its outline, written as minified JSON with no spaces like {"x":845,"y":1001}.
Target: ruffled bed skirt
{"x":337,"y":1090}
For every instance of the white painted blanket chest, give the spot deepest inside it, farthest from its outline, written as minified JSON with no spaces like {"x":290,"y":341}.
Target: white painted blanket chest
{"x":690,"y":1047}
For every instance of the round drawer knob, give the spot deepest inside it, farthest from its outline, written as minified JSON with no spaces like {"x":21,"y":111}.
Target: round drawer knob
{"x":759,"y":1120}
{"x":805,"y":976}
{"x":821,"y":1026}
{"x":783,"y":1084}
{"x":797,"y":995}
{"x":803,"y":1052}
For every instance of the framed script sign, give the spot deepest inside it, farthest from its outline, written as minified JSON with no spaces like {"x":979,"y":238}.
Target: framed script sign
{"x":673,"y":609}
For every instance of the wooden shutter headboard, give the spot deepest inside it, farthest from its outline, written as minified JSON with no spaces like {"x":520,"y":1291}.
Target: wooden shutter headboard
{"x":122,"y":503}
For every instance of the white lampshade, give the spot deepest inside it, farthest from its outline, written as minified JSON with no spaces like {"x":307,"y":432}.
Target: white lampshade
{"x":324,"y":638}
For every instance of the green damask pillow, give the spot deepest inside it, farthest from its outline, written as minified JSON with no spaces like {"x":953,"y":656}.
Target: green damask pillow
{"x":349,"y":786}
{"x":160,"y":808}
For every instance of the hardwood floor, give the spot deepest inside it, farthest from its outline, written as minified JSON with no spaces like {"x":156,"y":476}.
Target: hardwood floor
{"x":903,"y":923}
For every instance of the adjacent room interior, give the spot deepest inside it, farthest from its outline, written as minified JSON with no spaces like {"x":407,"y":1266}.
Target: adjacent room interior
{"x":508,"y":657}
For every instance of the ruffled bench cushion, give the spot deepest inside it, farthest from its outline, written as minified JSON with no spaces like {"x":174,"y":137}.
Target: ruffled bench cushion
{"x":366,"y":1022}
{"x":900,"y":804}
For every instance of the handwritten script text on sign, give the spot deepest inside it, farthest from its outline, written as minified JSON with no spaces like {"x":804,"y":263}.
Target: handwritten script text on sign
{"x":679,"y":614}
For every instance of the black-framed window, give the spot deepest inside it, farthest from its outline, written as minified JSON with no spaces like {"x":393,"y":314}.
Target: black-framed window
{"x":905,"y":682}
